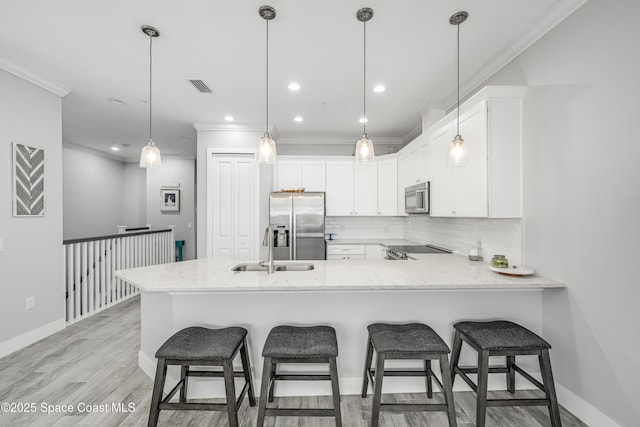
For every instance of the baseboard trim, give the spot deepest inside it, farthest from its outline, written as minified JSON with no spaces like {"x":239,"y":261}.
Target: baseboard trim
{"x":21,"y":341}
{"x":582,"y":409}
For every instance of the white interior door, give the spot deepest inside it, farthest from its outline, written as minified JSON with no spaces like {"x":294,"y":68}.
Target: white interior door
{"x":232,"y":213}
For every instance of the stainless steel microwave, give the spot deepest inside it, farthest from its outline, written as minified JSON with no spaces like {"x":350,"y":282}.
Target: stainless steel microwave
{"x":416,"y":198}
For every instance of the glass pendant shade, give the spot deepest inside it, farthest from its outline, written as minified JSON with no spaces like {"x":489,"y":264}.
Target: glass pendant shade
{"x":150,"y":156}
{"x":457,"y":151}
{"x":267,"y":149}
{"x":364,"y":151}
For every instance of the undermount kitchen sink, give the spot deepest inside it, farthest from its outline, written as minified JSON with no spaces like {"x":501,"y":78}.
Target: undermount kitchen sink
{"x":276,"y":267}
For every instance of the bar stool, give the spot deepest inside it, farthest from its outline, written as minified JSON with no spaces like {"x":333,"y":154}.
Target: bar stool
{"x":197,"y":346}
{"x":503,"y":338}
{"x":294,"y":344}
{"x":414,"y":341}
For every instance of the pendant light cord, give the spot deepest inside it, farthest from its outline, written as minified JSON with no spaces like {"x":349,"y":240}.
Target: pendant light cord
{"x":150,"y":83}
{"x":364,"y":82}
{"x":266,"y":131}
{"x":458,"y":85}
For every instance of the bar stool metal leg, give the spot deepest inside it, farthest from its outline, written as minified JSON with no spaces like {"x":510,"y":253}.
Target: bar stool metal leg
{"x":550,"y":389}
{"x":184,"y":377}
{"x":264,"y":391}
{"x":511,"y":374}
{"x":455,"y":355}
{"x":335,"y":388}
{"x":448,"y":390}
{"x":377,"y":393}
{"x":367,"y":367}
{"x":246,"y":368}
{"x":230,"y":390}
{"x":272,"y":379}
{"x":483,"y":377}
{"x":428,"y":380}
{"x":158,"y":387}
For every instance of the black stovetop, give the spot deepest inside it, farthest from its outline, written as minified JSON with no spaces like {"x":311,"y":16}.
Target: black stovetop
{"x":418,"y":249}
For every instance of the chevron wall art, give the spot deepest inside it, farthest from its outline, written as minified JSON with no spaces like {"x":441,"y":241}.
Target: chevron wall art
{"x":28,"y":180}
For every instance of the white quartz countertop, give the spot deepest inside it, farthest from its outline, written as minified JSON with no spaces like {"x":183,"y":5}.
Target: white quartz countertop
{"x":427,"y":272}
{"x":383,"y":242}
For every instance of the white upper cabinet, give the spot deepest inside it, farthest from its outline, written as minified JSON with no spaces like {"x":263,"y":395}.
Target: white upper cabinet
{"x":365,"y":189}
{"x":388,"y":187}
{"x":488,"y":183}
{"x":289,"y":175}
{"x":300,"y":173}
{"x":339,"y":188}
{"x":313,"y":175}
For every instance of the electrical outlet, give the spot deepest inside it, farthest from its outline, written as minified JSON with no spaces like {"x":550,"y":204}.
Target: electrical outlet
{"x":31,"y":303}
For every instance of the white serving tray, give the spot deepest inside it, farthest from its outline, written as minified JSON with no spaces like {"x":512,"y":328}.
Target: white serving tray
{"x":513,"y":271}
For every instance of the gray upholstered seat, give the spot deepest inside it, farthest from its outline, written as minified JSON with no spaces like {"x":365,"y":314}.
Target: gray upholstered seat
{"x":410,"y":339}
{"x":198,"y":343}
{"x":500,"y":335}
{"x":301,"y":342}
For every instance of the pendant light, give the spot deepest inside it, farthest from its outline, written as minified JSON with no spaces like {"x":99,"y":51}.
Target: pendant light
{"x":267,"y":146}
{"x":457,"y":151}
{"x":150,"y":155}
{"x":364,"y":147}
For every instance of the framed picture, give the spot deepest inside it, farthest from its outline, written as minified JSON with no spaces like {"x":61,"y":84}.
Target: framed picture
{"x":169,"y":200}
{"x":28,"y":181}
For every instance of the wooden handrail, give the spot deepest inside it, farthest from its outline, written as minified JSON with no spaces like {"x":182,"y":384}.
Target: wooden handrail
{"x":114,"y":236}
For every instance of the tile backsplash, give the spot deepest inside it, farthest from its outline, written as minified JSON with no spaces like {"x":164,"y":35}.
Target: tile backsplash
{"x":496,"y":236}
{"x":365,"y":227}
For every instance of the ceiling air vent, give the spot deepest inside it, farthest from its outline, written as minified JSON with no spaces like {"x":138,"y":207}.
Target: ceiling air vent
{"x":201,"y":86}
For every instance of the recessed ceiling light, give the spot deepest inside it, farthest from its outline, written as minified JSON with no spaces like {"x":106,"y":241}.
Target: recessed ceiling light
{"x":363,"y":120}
{"x":298,"y":118}
{"x":229,"y":118}
{"x":379,"y":89}
{"x":116,"y":101}
{"x":114,"y":147}
{"x":185,"y":138}
{"x":294,"y":86}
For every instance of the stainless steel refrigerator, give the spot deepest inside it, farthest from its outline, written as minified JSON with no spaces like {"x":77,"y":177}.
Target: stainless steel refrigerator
{"x":297,"y":220}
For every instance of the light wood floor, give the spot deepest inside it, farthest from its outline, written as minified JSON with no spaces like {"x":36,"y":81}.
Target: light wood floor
{"x":94,"y":362}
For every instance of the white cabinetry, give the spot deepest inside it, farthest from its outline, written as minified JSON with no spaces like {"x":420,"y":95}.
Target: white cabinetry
{"x":488,"y":183}
{"x":339,"y":187}
{"x":374,"y":252}
{"x":363,"y":190}
{"x":365,"y":196}
{"x":345,"y":252}
{"x":388,"y":187}
{"x":300,"y":173}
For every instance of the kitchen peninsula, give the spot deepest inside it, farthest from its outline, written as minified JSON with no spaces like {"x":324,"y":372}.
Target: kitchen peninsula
{"x":435,"y":289}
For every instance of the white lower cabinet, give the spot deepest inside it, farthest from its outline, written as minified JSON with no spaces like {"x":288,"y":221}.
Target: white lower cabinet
{"x":345,"y":252}
{"x":374,"y":252}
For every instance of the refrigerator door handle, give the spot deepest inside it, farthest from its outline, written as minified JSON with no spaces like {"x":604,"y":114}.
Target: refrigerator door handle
{"x":302,"y":235}
{"x":294,"y":238}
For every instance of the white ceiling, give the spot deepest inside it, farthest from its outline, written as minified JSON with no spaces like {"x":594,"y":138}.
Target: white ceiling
{"x":96,"y":51}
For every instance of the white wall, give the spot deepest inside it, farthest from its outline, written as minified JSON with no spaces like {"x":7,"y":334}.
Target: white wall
{"x":31,"y":261}
{"x":581,"y":202}
{"x":93,"y":194}
{"x":134,"y":205}
{"x":174,"y":171}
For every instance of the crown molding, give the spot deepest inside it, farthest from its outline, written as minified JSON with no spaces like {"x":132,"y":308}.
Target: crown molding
{"x":561,"y":11}
{"x":338,"y":141}
{"x":56,"y":89}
